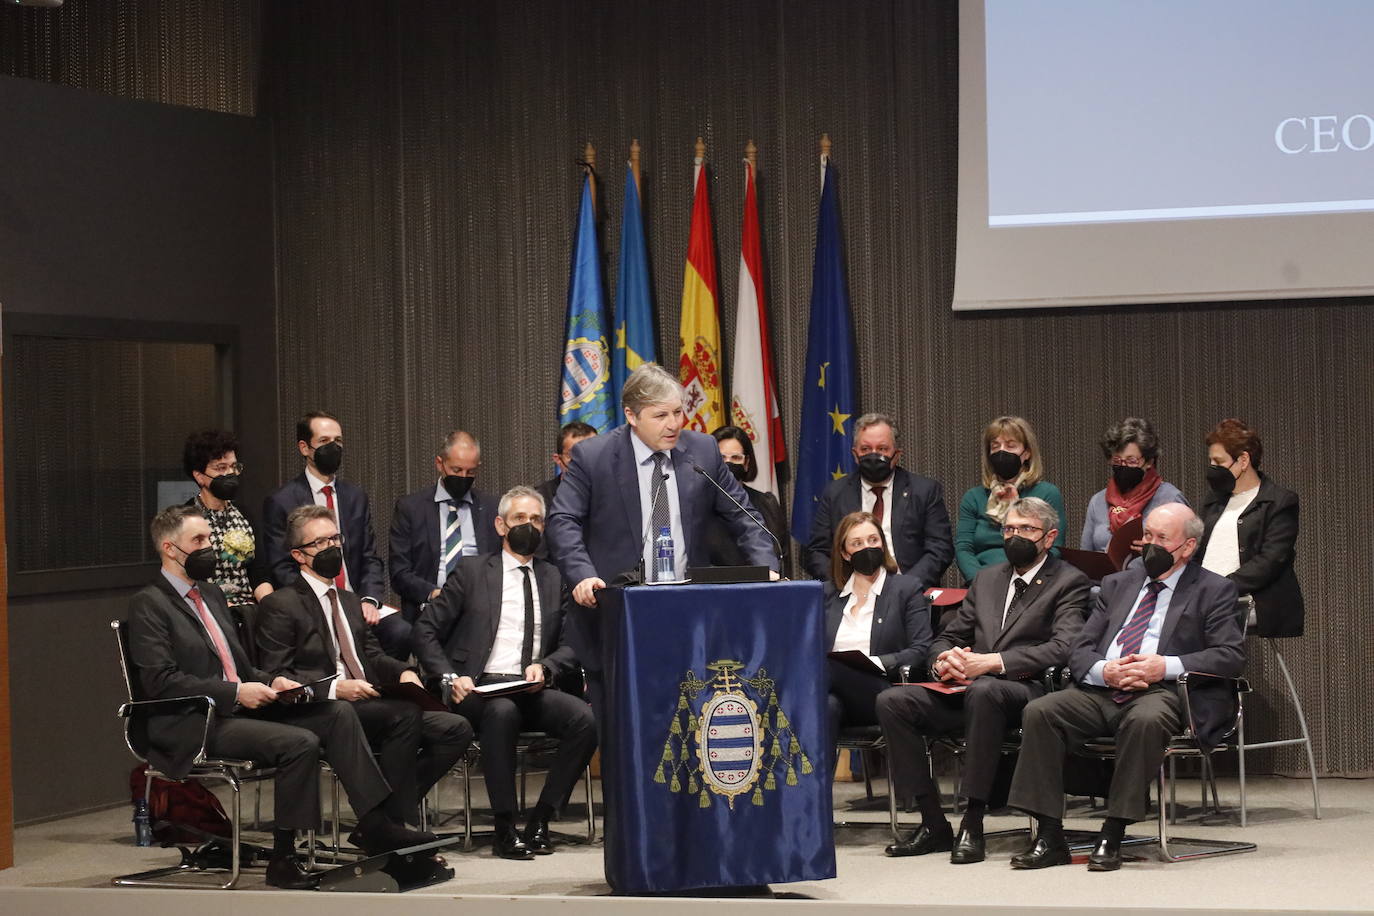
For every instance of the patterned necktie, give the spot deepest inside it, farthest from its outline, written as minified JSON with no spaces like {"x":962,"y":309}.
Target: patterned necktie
{"x":658,"y":497}
{"x":453,"y":539}
{"x":352,"y":667}
{"x":1133,"y":633}
{"x":1018,"y":585}
{"x":340,"y":581}
{"x":226,"y":659}
{"x":527,"y":646}
{"x":878,"y":503}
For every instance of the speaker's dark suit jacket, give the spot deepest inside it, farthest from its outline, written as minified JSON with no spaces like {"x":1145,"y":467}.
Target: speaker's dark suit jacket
{"x":1267,"y":532}
{"x":901,"y":622}
{"x":921,"y":539}
{"x":415,"y":543}
{"x":456,"y":632}
{"x":293,"y":642}
{"x":365,"y":573}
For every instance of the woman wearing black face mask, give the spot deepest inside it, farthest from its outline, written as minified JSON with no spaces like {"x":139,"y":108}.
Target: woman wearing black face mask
{"x":210,"y":458}
{"x":738,"y":454}
{"x":870,"y":610}
{"x":1134,"y":486}
{"x":1012,"y":469}
{"x":1252,"y":527}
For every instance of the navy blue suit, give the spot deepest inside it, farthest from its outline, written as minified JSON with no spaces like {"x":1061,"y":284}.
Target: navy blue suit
{"x":365,"y":571}
{"x":414,"y":556}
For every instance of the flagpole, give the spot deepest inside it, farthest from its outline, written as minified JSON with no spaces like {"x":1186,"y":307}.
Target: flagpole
{"x":634,"y":164}
{"x":589,"y":157}
{"x":825,"y":155}
{"x":699,"y":161}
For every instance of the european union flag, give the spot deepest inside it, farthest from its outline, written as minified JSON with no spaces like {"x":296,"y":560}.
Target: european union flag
{"x":634,"y":306}
{"x":586,"y":393}
{"x":824,"y":451}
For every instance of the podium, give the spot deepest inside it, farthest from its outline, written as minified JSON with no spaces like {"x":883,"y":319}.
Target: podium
{"x":714,"y":751}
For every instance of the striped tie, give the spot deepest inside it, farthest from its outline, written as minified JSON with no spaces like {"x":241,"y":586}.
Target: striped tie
{"x":453,"y":539}
{"x":1133,"y":633}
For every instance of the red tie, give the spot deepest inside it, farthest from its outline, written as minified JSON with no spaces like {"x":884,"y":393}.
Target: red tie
{"x":878,"y":504}
{"x":226,"y":660}
{"x":328,"y":492}
{"x":352,"y":667}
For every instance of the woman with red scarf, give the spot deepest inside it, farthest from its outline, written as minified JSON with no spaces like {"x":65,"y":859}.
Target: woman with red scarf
{"x":1134,"y":487}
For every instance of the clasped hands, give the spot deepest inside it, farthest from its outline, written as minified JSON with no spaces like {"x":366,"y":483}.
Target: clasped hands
{"x":961,"y":665}
{"x":1133,"y":672}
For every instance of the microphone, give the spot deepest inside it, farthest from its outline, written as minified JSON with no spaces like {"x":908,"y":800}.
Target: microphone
{"x":747,"y":514}
{"x":637,"y":577}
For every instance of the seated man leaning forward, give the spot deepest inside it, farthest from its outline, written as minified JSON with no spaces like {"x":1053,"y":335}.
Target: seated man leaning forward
{"x":1020,"y":618}
{"x":1151,"y":623}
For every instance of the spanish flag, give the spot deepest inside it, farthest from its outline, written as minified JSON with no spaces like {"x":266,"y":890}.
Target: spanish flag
{"x":699,"y":333}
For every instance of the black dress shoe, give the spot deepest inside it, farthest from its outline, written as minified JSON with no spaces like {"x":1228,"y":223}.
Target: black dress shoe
{"x":968,"y":847}
{"x":536,"y":838}
{"x":390,"y":836}
{"x":923,"y":841}
{"x":1043,"y":854}
{"x":1106,"y":855}
{"x":508,"y":845}
{"x":289,"y":873}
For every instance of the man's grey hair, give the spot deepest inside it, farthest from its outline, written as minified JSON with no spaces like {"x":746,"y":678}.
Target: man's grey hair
{"x":651,"y":384}
{"x":458,"y":437}
{"x":1036,"y":508}
{"x":515,"y":493}
{"x":875,"y":419}
{"x":299,"y":518}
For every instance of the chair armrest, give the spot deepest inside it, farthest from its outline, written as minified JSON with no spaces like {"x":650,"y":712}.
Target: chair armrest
{"x":1189,"y":681}
{"x":201,"y":704}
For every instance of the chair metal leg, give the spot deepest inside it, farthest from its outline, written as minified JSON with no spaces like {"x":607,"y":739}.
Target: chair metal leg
{"x":1168,"y":848}
{"x":334,"y":804}
{"x":467,"y":806}
{"x":591,"y":811}
{"x":157,"y":877}
{"x":1306,"y":739}
{"x":867,"y":763}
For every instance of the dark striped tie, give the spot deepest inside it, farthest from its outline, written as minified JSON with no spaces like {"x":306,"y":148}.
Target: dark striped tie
{"x":1133,"y":633}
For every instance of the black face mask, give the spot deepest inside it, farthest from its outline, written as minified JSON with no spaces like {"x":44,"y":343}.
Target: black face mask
{"x":1127,"y":478}
{"x":1021,"y":552}
{"x":867,"y":561}
{"x":457,"y":487}
{"x":328,"y":457}
{"x":1157,"y":560}
{"x":328,"y":563}
{"x":739,"y":471}
{"x":1220,"y":479}
{"x":199,"y":564}
{"x":875,"y":468}
{"x":224,"y":486}
{"x":524,"y":539}
{"x":1005,"y":465}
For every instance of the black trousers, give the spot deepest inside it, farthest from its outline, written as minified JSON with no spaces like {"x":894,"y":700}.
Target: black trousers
{"x":293,"y":739}
{"x":393,"y":633}
{"x":853,"y":697}
{"x":983,"y":714}
{"x":500,"y":720}
{"x":414,"y":749}
{"x":1058,"y":722}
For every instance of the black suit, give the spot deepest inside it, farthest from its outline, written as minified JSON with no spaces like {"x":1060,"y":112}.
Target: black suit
{"x":1201,"y":627}
{"x":725,"y":550}
{"x":455,"y":634}
{"x":173,"y":656}
{"x":415,"y":551}
{"x":1266,"y":531}
{"x":1038,"y":632}
{"x":355,"y":523}
{"x":415,"y":748}
{"x":921,"y":539}
{"x":900,"y":636}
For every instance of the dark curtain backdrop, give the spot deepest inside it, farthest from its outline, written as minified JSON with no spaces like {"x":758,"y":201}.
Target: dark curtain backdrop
{"x":426,"y":188}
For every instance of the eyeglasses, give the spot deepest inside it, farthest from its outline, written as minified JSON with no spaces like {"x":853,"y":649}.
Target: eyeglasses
{"x":1128,"y":462}
{"x":322,"y":543}
{"x":1022,"y":530}
{"x":218,"y":469}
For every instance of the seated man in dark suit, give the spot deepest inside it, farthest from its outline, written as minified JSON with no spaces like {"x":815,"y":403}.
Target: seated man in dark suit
{"x":911,"y":507}
{"x":320,"y":442}
{"x":1151,"y":623}
{"x":431,"y":530}
{"x":311,"y":630}
{"x":1019,"y":618}
{"x":182,"y":642}
{"x":568,"y":436}
{"x":500,"y":618}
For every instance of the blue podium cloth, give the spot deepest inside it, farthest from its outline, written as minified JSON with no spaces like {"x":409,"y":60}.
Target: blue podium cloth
{"x":714,"y":745}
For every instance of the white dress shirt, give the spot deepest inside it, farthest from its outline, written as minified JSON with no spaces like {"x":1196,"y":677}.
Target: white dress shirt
{"x":868,"y":499}
{"x":510,"y":630}
{"x":856,"y":625}
{"x":1173,"y":665}
{"x":465,"y":526}
{"x":644,"y":464}
{"x":316,"y":490}
{"x":321,"y":590}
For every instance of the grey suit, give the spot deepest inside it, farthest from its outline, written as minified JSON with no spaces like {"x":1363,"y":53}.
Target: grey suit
{"x":1037,"y":634}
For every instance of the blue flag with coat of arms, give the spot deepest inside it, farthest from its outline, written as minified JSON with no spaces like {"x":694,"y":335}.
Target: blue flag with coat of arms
{"x":585,"y":393}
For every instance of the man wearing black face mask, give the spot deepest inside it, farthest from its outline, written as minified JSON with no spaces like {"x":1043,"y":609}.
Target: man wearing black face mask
{"x":500,"y":618}
{"x":1019,"y":618}
{"x":432,"y":529}
{"x":319,"y":439}
{"x":1150,"y":624}
{"x":910,"y":507}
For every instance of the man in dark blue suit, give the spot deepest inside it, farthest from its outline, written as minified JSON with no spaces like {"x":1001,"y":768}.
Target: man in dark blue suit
{"x":319,"y":438}
{"x":911,"y":507}
{"x":432,"y":529}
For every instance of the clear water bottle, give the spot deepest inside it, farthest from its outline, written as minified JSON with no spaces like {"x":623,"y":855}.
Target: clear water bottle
{"x":143,"y":826}
{"x":665,"y":563}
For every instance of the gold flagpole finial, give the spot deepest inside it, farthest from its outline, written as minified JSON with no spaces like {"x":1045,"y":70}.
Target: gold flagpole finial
{"x":634,"y":160}
{"x":751,"y":153}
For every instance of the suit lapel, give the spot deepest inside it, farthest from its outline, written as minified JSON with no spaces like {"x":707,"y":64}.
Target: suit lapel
{"x":626,"y":476}
{"x":1124,"y":604}
{"x":899,"y":493}
{"x":834,"y":610}
{"x":685,"y":479}
{"x":1178,"y":606}
{"x":491,"y":585}
{"x":180,"y":604}
{"x":313,"y":613}
{"x":991,"y":612}
{"x":853,"y":496}
{"x":1034,"y":589}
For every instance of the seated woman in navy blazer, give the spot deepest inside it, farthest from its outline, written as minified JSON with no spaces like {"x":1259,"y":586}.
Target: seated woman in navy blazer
{"x":871,"y":609}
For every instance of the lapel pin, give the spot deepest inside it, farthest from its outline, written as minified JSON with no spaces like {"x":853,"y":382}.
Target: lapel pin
{"x":1039,"y":581}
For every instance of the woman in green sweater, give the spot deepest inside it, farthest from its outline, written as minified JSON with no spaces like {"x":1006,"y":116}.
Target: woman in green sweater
{"x":1012,"y":468}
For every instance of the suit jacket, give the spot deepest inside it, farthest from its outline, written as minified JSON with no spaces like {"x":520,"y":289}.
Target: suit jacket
{"x":415,"y":543}
{"x":1039,"y":631}
{"x":921,"y":540}
{"x":365,"y":571}
{"x":1202,"y":627}
{"x":293,"y":642}
{"x":549,"y":489}
{"x":1266,"y":531}
{"x":901,"y":622}
{"x":456,"y":632}
{"x":173,"y":656}
{"x":722,"y":548}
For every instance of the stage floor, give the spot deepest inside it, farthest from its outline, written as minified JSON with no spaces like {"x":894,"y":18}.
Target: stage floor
{"x":1302,"y":865}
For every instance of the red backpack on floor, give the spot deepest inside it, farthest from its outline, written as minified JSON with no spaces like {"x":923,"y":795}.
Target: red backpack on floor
{"x":180,"y":813}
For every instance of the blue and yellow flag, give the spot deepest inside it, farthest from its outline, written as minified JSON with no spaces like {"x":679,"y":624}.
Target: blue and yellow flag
{"x":586,"y":392}
{"x":827,"y":431}
{"x":634,"y":304}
